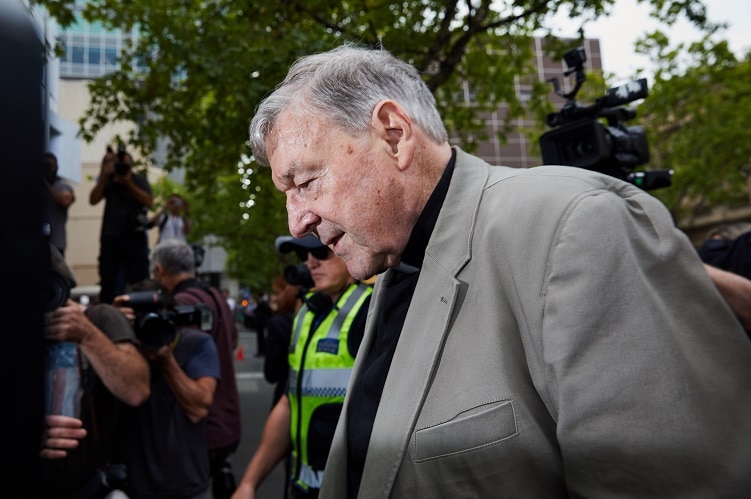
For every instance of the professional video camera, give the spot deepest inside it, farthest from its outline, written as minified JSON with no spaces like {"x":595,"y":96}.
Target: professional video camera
{"x":157,"y":318}
{"x":581,"y":140}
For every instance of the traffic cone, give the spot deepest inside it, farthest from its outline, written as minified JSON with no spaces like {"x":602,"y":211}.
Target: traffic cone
{"x":240,"y":354}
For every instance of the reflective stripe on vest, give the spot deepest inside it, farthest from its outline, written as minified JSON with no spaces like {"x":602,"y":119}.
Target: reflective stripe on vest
{"x":321,"y":382}
{"x":320,"y":368}
{"x":310,"y":477}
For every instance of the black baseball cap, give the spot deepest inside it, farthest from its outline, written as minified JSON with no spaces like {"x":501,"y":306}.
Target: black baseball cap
{"x":285,"y":244}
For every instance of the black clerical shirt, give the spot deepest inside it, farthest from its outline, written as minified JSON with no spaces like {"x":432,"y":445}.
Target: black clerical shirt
{"x":368,"y":387}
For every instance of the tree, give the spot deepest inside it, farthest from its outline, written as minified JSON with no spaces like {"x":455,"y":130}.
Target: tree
{"x":202,"y":66}
{"x":698,"y":123}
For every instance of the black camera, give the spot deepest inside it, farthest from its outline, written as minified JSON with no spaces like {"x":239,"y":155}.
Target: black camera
{"x":121,"y":167}
{"x":580,"y":139}
{"x":157,"y":318}
{"x":298,"y":275}
{"x":56,"y":291}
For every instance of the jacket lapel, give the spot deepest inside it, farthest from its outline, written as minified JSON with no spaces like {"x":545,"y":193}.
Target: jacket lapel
{"x":423,"y":335}
{"x":408,"y":381}
{"x":425,"y":328}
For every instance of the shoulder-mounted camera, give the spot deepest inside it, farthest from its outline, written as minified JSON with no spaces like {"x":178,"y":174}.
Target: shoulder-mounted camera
{"x":580,"y":138}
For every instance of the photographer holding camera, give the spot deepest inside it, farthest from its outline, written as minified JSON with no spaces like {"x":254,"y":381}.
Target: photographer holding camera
{"x":173,"y":220}
{"x":124,"y":250}
{"x":173,"y":264}
{"x":166,"y":453}
{"x":78,"y":453}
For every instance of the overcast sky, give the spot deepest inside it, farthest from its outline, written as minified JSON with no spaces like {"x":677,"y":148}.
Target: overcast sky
{"x":630,"y":20}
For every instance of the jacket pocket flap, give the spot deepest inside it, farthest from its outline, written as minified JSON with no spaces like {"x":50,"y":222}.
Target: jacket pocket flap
{"x":468,"y":430}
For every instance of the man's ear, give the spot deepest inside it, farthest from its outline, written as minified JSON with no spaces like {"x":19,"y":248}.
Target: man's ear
{"x":158,"y":270}
{"x":393,"y":125}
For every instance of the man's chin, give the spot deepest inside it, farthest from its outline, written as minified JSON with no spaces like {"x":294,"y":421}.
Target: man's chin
{"x":365,"y":267}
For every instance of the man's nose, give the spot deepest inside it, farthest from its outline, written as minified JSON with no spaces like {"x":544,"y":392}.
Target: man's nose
{"x":300,"y":219}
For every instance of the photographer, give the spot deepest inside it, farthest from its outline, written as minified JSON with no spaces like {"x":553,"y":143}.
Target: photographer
{"x":60,"y":198}
{"x":124,"y":252}
{"x":166,"y":438}
{"x":174,"y":270}
{"x":112,"y":371}
{"x":173,"y":220}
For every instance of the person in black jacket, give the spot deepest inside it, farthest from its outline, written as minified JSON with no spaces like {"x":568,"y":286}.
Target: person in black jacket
{"x":284,"y":302}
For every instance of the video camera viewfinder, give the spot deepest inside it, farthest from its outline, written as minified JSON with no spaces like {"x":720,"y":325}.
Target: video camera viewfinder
{"x":581,"y":139}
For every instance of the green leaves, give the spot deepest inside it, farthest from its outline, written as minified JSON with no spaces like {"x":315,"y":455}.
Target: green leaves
{"x":200,"y":67}
{"x":698,"y":123}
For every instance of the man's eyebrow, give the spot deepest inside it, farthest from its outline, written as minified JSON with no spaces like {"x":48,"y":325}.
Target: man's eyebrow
{"x":288,"y":176}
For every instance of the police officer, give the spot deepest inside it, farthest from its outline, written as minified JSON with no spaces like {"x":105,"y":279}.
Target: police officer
{"x":326,"y":334}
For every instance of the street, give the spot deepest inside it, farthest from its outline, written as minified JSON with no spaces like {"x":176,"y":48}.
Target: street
{"x":255,"y":403}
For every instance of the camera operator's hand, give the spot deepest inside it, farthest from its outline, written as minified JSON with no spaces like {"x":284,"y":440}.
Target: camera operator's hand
{"x":161,"y":356}
{"x":69,"y":323}
{"x":124,"y":177}
{"x":119,"y":364}
{"x":61,"y":435}
{"x":107,"y":169}
{"x":121,"y":303}
{"x":106,"y":172}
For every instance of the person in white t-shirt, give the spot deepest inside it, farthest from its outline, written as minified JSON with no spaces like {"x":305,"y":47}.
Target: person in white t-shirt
{"x":173,"y":220}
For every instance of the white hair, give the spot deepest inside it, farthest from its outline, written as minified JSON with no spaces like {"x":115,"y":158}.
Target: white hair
{"x":345,"y":84}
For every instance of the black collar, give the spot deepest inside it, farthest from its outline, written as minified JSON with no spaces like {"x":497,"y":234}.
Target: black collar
{"x":414,"y":253}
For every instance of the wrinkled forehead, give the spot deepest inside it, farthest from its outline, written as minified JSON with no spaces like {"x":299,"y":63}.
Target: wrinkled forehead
{"x":294,"y":141}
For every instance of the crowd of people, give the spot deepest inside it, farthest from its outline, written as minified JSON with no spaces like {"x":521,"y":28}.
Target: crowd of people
{"x":158,"y":413}
{"x":543,"y":332}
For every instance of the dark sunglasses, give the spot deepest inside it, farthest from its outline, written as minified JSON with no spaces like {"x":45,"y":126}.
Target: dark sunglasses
{"x":320,"y":253}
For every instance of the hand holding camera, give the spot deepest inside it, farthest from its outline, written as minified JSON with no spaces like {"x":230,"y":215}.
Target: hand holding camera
{"x":69,"y":323}
{"x":118,"y":165}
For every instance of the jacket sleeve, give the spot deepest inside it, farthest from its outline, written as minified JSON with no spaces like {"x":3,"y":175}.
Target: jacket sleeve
{"x":646,"y":366}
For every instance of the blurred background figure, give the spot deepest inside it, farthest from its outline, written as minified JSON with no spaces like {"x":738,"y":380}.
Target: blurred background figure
{"x":61,"y":196}
{"x":173,"y":220}
{"x":284,"y":303}
{"x":261,"y":315}
{"x":231,"y":303}
{"x":124,"y":248}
